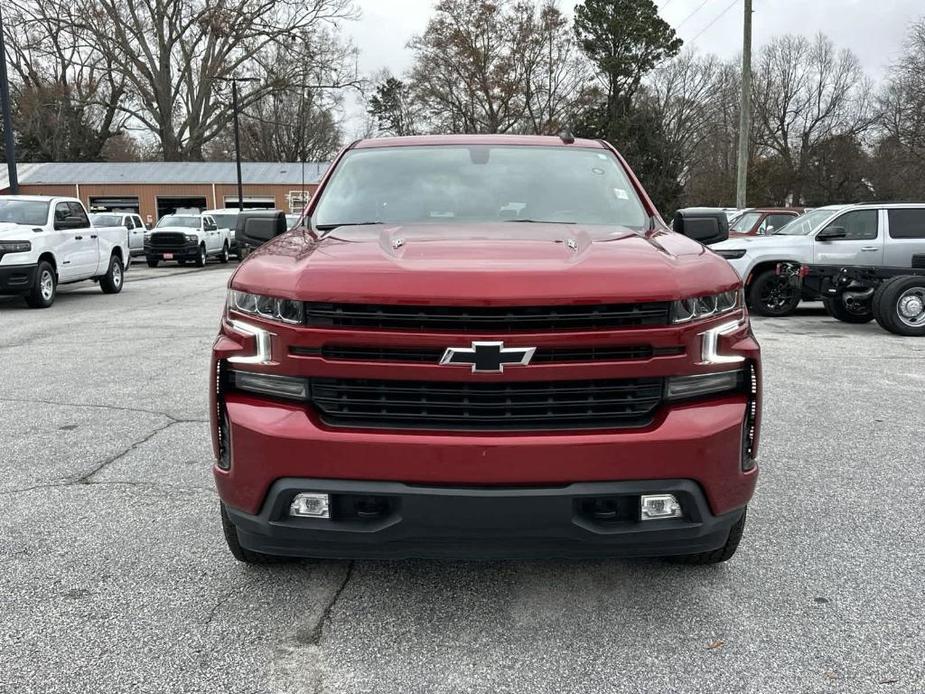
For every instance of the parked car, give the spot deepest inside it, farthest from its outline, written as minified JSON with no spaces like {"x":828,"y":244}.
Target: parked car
{"x":522,"y":360}
{"x":185,"y":238}
{"x":837,"y":235}
{"x":890,"y":288}
{"x":47,"y":241}
{"x":761,"y":221}
{"x":131,"y":222}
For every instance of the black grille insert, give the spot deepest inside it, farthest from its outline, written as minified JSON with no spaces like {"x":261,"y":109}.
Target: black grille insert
{"x":167,"y":238}
{"x":510,"y":405}
{"x":495,"y":319}
{"x":543,"y":355}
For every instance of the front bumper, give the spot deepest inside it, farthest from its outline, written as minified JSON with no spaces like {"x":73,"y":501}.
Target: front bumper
{"x":462,"y":522}
{"x":16,"y":279}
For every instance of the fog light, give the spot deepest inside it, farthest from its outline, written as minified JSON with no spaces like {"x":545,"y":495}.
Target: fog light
{"x":654,"y":506}
{"x":307,"y":505}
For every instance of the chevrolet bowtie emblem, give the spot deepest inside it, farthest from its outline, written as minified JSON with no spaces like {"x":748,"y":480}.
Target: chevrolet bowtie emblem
{"x":487,"y":357}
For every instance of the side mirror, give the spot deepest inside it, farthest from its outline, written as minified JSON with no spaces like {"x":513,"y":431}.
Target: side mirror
{"x":703,"y":225}
{"x":830,"y":233}
{"x":256,"y":228}
{"x":72,"y":222}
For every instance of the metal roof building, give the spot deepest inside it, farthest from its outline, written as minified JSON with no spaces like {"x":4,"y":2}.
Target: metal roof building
{"x":157,"y":188}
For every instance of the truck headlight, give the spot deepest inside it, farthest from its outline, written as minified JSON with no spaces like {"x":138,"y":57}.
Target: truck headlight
{"x":730,"y":253}
{"x":192,"y":238}
{"x":15,"y":246}
{"x":698,"y":307}
{"x":271,"y":308}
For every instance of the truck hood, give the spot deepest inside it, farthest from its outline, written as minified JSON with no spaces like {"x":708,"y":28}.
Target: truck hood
{"x":174,"y":230}
{"x":761,"y":243}
{"x":17,"y":232}
{"x":484,"y":264}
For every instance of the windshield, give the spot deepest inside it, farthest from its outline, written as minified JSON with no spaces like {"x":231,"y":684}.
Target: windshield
{"x":225,"y":221}
{"x":480,"y":183}
{"x":744,"y":222}
{"x":105,"y":220}
{"x":804,"y":224}
{"x":32,"y":212}
{"x":177,"y":220}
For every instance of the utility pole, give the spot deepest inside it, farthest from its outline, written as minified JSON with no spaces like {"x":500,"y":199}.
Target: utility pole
{"x":8,"y":143}
{"x":745,"y":108}
{"x":237,"y":141}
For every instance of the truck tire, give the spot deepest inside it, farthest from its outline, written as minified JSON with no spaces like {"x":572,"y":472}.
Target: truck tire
{"x":111,"y":282}
{"x":772,"y":295}
{"x":237,"y":551}
{"x":837,"y":308}
{"x":152,"y":262}
{"x":201,"y":258}
{"x":901,"y":308}
{"x":44,"y":286}
{"x":225,"y":255}
{"x":720,"y":555}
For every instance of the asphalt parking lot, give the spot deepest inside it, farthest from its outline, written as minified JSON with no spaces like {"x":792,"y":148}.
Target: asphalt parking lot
{"x":114,"y":575}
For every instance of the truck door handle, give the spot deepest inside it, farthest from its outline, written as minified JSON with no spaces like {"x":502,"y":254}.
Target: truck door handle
{"x":869,"y":248}
{"x":93,"y":236}
{"x":78,"y":238}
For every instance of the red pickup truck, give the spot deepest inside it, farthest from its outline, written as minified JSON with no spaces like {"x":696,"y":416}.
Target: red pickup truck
{"x":485,"y":346}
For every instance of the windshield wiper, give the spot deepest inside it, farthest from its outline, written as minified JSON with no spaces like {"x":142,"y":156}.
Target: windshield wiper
{"x":329,"y":227}
{"x":536,"y":221}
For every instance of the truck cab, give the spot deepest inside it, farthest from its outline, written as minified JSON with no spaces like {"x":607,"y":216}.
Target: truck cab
{"x":186,"y":238}
{"x":484,"y":346}
{"x":47,"y":241}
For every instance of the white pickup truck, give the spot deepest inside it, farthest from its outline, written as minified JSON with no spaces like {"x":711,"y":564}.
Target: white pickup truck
{"x":47,"y":241}
{"x":186,"y":238}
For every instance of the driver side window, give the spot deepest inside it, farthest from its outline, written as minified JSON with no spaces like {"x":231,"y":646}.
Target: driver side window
{"x":859,"y":225}
{"x":61,"y":212}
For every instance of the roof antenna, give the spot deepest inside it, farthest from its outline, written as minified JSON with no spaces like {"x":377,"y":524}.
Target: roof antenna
{"x":565,"y":134}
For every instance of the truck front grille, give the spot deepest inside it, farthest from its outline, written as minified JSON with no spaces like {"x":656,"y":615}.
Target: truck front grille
{"x":166,"y":239}
{"x":543,"y":355}
{"x":486,"y":319}
{"x":487,"y":406}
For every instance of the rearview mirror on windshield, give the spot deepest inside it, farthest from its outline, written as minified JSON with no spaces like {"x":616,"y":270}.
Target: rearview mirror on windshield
{"x":704,"y":225}
{"x":256,"y":228}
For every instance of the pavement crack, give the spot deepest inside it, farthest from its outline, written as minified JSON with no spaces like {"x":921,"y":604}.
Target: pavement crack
{"x":215,"y":608}
{"x":116,"y":408}
{"x":86,"y":477}
{"x":313,"y":637}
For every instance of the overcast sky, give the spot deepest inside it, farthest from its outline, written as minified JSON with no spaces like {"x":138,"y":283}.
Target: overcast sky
{"x":873,"y":29}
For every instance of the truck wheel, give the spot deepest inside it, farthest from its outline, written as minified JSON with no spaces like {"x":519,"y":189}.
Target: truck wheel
{"x":901,"y":309}
{"x":848,"y":313}
{"x":239,"y":552}
{"x":152,"y":262}
{"x":720,"y":555}
{"x":773,"y":295}
{"x":225,"y":256}
{"x":44,"y":286}
{"x":111,"y":282}
{"x":201,"y":258}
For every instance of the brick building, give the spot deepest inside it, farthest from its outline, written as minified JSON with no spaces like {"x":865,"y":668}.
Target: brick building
{"x":154,"y":189}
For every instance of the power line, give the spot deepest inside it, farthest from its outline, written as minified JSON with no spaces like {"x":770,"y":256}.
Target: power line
{"x":698,"y":8}
{"x":715,"y":20}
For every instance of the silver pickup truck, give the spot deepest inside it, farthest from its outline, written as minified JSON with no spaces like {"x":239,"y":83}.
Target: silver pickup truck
{"x":882,"y":236}
{"x":890,"y":290}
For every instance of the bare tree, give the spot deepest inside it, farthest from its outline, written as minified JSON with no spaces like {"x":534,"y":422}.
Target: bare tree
{"x":66,"y":96}
{"x":807,"y":93}
{"x":466,"y":72}
{"x":555,"y":71}
{"x":175,"y":54}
